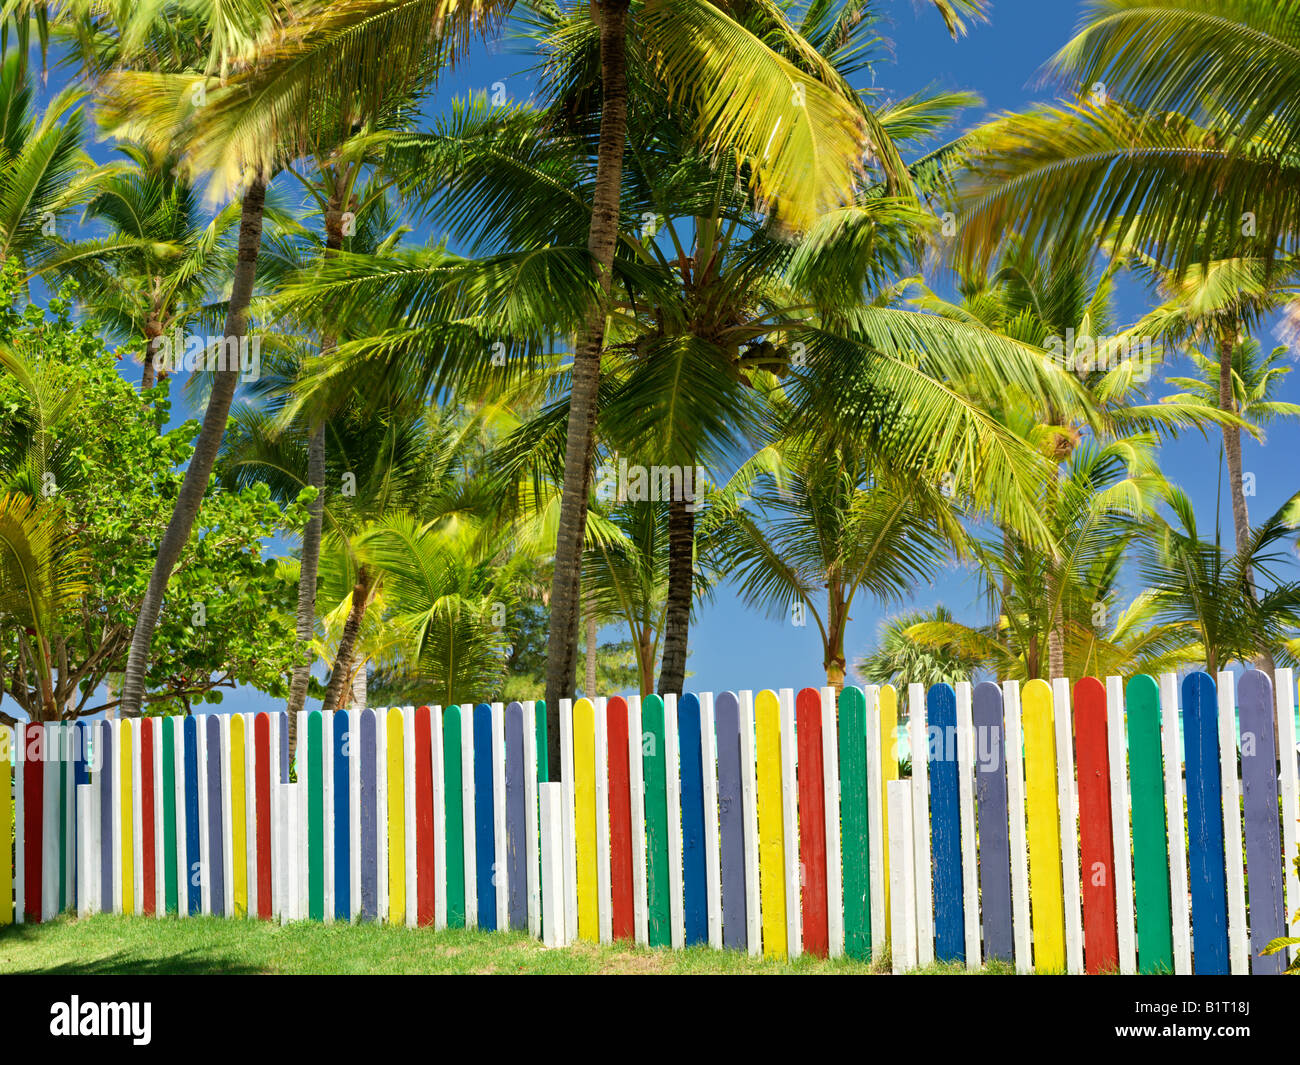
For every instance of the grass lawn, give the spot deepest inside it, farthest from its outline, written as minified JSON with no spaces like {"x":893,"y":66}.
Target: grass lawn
{"x":146,"y":945}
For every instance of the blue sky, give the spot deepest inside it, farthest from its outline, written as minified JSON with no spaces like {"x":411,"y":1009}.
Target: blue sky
{"x":733,"y":647}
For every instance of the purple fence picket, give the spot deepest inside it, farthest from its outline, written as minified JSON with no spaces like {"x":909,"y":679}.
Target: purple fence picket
{"x":1263,"y":841}
{"x":732,"y":822}
{"x":215,"y":855}
{"x":991,"y":804}
{"x":104,"y":759}
{"x":369,"y":819}
{"x":516,"y":823}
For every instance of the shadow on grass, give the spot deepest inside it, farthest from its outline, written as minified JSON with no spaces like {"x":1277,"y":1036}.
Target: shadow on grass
{"x":190,"y":963}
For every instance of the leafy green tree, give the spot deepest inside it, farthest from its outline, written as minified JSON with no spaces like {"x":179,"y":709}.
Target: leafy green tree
{"x":899,"y":660}
{"x":100,"y":477}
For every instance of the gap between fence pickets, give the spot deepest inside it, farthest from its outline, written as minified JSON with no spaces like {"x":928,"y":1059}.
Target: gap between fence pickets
{"x":71,"y":812}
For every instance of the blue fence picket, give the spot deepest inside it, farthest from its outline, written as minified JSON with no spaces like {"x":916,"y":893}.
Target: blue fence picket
{"x":731,"y":816}
{"x":991,"y":804}
{"x":484,"y":830}
{"x":696,"y":909}
{"x":369,"y":814}
{"x":1205,"y":825}
{"x":1263,"y":841}
{"x":516,"y":821}
{"x":193,"y":859}
{"x":945,"y":824}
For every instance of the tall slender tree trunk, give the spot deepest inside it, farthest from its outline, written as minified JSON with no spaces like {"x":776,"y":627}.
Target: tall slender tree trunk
{"x":195,"y":484}
{"x":681,"y":591}
{"x":360,"y":692}
{"x":592,"y":632}
{"x":311,"y":533}
{"x":1232,"y":446}
{"x":562,"y":639}
{"x":347,"y":642}
{"x":836,"y":619}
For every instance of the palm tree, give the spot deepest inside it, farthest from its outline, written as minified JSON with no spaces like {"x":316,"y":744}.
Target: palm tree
{"x":156,"y":269}
{"x":899,"y":660}
{"x":41,"y":572}
{"x":742,"y":94}
{"x":1186,"y":139}
{"x":1096,"y":511}
{"x":825,"y":530}
{"x":1211,"y":592}
{"x":1253,"y":382}
{"x":44,"y":171}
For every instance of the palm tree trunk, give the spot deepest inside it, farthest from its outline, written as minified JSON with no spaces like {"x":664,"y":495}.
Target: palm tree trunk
{"x":195,"y":484}
{"x":347,"y":642}
{"x":311,"y":534}
{"x":592,"y":633}
{"x":677,"y":609}
{"x":307,"y":572}
{"x":1232,"y":447}
{"x":836,"y":620}
{"x":562,"y":639}
{"x":360,"y":693}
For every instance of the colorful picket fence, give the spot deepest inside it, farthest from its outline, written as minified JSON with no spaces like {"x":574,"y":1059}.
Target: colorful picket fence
{"x":1034,"y":827}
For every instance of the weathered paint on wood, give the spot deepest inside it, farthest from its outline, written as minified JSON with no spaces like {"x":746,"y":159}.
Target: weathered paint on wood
{"x":655,"y":762}
{"x":8,"y":756}
{"x":262,"y":775}
{"x":1044,"y":841}
{"x":426,"y":872}
{"x":396,"y":780}
{"x":887,"y":713}
{"x":1205,"y":825}
{"x":147,"y":816}
{"x":731,"y":821}
{"x":516,"y":839}
{"x":193,"y":857}
{"x":584,"y":818}
{"x":369,"y":799}
{"x":1264,"y":860}
{"x":126,"y":743}
{"x":33,"y":822}
{"x":454,"y":823}
{"x":812,"y":822}
{"x":945,"y":824}
{"x":1100,"y":942}
{"x":216,"y":859}
{"x":771,"y":823}
{"x":994,"y":842}
{"x":695,"y":908}
{"x":1234,"y":858}
{"x":342,"y":817}
{"x":854,"y":831}
{"x":1150,"y":848}
{"x":620,"y":821}
{"x":315,"y":774}
{"x":484,"y":828}
{"x":238,"y":817}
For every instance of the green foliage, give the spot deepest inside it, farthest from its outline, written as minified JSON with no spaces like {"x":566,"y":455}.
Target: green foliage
{"x":75,"y":436}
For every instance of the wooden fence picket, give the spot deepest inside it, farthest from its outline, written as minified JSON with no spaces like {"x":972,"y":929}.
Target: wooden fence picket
{"x":1264,"y":858}
{"x":1205,"y":825}
{"x":731,"y":823}
{"x":853,"y":814}
{"x":992,"y":810}
{"x":945,"y":824}
{"x":1155,"y":946}
{"x":1101,"y":946}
